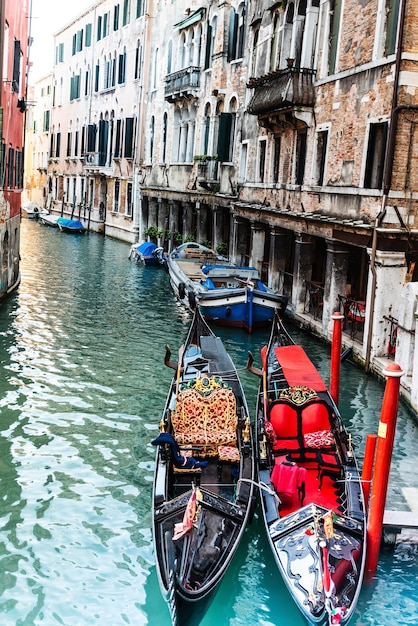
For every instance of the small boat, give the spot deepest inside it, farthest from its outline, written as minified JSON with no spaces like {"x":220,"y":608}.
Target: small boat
{"x":31,"y":210}
{"x":227,"y":294}
{"x":204,"y":473}
{"x":311,"y":493}
{"x":49,"y":220}
{"x":147,"y":253}
{"x":71,"y":226}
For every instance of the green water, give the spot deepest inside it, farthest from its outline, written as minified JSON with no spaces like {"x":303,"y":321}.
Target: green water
{"x":81,"y":393}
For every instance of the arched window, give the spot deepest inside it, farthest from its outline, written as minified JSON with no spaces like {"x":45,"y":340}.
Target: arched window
{"x":274,"y":51}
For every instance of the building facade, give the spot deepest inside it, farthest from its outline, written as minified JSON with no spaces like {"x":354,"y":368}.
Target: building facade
{"x":281,"y":133}
{"x":14,"y":22}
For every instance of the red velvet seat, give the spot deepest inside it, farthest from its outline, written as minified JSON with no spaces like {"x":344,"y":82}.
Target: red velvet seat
{"x":315,"y":417}
{"x":284,"y":420}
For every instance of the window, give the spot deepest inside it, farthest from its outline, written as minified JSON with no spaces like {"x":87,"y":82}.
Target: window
{"x":254,"y":53}
{"x":76,"y":135}
{"x":151,"y":139}
{"x":19,"y":169}
{"x":392,"y":19}
{"x":210,"y":43}
{"x":118,"y":139}
{"x":116,"y":17}
{"x":129,"y":138}
{"x":122,"y":67}
{"x":99,"y":27}
{"x":320,"y":157}
{"x":45,"y":126}
{"x":116,"y":195}
{"x":91,"y":138}
{"x":335,"y":16}
{"x":17,"y":59}
{"x":164,"y":150}
{"x":87,"y":41}
{"x":236,"y":33}
{"x":59,"y":53}
{"x":11,"y":168}
{"x":300,"y":157}
{"x":103,"y":138}
{"x":86,"y":82}
{"x":276,"y":158}
{"x":274,"y":50}
{"x":75,"y":87}
{"x":106,"y":20}
{"x":69,"y":140}
{"x":243,"y":163}
{"x":58,"y":145}
{"x":375,"y":160}
{"x":140,"y":8}
{"x":97,"y":77}
{"x":261,"y":160}
{"x":138,"y":54}
{"x":225,"y":142}
{"x":126,"y":12}
{"x":129,"y":207}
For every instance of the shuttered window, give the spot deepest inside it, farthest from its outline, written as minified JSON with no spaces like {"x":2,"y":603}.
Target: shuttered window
{"x":129,"y":138}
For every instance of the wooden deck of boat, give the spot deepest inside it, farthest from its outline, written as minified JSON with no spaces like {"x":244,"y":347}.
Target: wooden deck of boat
{"x":191,"y":268}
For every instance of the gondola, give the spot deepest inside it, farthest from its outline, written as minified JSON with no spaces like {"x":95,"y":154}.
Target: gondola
{"x":311,"y":493}
{"x":204,"y":473}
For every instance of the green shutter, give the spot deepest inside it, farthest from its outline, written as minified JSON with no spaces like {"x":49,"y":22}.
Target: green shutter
{"x":224,"y":136}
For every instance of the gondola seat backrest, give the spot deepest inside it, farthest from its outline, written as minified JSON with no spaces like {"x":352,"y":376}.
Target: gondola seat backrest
{"x":284,"y":420}
{"x":208,"y":420}
{"x":293,"y":424}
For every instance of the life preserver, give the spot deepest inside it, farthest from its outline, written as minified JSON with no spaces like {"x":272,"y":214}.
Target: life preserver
{"x":182,"y":290}
{"x":192,"y":300}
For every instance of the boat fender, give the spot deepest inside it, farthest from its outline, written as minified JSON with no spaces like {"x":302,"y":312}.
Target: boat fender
{"x":228,"y":311}
{"x":182,"y":290}
{"x":192,"y":300}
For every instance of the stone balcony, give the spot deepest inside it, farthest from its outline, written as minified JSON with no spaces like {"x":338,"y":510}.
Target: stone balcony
{"x":278,"y":92}
{"x":182,"y":84}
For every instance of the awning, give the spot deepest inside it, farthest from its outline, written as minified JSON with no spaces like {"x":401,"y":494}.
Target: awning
{"x":190,"y":19}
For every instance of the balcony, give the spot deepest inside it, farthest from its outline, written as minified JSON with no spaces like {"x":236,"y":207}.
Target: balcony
{"x":182,"y":84}
{"x":97,"y":161}
{"x":281,"y":91}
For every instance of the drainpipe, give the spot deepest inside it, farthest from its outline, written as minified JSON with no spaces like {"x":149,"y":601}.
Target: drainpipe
{"x":387,"y":179}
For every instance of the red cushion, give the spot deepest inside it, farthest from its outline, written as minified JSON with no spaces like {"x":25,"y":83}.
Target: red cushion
{"x":284,"y":420}
{"x":315,"y":417}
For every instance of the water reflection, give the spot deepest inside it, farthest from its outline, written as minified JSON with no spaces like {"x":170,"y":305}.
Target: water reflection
{"x":82,"y":390}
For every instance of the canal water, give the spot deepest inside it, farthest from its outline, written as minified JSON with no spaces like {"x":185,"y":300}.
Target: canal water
{"x":82,"y":388}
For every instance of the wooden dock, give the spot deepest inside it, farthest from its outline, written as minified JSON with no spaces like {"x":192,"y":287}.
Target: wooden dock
{"x":400,"y":526}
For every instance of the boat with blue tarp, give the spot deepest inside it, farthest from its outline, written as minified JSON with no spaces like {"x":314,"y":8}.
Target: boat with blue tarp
{"x":147,"y":253}
{"x":71,"y":226}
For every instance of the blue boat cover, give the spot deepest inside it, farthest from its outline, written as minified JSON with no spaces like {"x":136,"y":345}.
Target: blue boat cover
{"x":147,"y":248}
{"x":70,"y":223}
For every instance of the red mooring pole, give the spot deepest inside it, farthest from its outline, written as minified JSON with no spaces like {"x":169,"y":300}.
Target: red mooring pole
{"x":385,"y":438}
{"x":337,"y":332}
{"x":366,"y":474}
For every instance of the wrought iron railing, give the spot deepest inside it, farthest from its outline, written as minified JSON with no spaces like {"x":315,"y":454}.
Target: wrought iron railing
{"x":314,"y":299}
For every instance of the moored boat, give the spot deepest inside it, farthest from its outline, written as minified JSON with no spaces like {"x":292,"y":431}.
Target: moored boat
{"x":226,"y":293}
{"x":147,"y":253}
{"x":49,"y":220}
{"x":311,"y":493}
{"x":204,"y":473}
{"x":71,"y":226}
